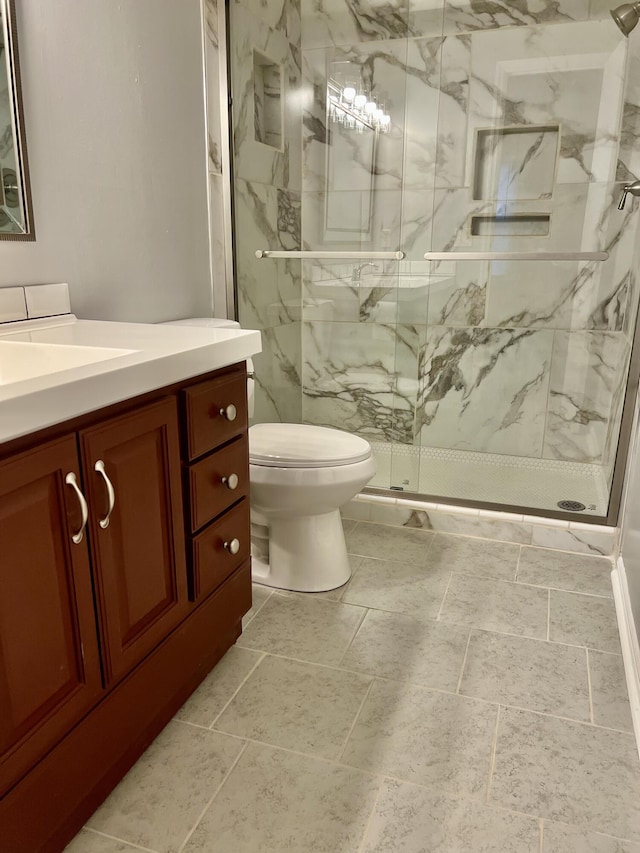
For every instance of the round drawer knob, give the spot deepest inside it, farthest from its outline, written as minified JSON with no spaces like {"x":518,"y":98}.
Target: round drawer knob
{"x":232,"y":547}
{"x":229,"y":412}
{"x":231,"y":482}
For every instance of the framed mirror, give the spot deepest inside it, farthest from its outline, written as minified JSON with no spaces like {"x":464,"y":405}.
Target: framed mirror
{"x":16,"y":215}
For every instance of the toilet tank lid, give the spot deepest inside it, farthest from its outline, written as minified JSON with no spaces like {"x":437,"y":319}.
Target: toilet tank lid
{"x":209,"y":322}
{"x":304,"y":446}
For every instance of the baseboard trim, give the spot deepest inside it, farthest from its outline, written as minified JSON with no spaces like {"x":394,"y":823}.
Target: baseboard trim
{"x":629,"y":642}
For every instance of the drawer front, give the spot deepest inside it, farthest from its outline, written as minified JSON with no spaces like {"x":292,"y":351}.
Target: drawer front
{"x":218,"y":481}
{"x":215,"y":412}
{"x":213,"y":562}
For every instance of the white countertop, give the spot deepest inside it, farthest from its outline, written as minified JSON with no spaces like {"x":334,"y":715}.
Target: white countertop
{"x":153,"y":356}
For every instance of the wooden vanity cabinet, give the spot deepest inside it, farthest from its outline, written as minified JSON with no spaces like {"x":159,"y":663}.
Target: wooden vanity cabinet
{"x":102,"y":640}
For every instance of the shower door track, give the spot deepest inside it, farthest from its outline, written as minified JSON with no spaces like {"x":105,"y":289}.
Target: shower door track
{"x":516,"y":256}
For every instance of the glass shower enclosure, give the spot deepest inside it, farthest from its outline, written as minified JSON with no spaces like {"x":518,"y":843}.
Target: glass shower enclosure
{"x":427,"y":232}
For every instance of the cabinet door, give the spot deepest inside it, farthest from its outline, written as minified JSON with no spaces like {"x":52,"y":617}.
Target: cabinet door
{"x":139,"y":556}
{"x":49,"y":667}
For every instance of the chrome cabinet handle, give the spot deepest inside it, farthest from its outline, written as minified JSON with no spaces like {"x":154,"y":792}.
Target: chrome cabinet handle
{"x":111,"y":494}
{"x":232,"y":547}
{"x":70,"y":480}
{"x":229,"y":412}
{"x":231,"y":482}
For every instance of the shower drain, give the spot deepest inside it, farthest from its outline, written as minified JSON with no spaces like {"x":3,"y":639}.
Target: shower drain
{"x":571,"y":506}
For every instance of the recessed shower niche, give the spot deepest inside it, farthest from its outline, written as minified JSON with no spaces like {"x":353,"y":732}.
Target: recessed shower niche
{"x":267,"y":96}
{"x":515,"y":163}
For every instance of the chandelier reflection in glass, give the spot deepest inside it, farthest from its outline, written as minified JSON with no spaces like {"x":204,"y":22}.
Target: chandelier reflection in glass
{"x":352,"y":106}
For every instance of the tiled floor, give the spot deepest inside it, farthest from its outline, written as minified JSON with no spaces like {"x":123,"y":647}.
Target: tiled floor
{"x":456,"y":695}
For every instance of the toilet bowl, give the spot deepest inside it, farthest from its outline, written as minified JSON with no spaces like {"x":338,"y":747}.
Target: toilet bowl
{"x":300,"y":475}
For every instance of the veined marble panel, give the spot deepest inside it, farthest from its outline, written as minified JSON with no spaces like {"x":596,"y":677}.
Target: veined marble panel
{"x":278,"y":396}
{"x":269,"y":291}
{"x":426,"y":17}
{"x":218,"y":246}
{"x":629,"y":153}
{"x":255,"y":161}
{"x":340,"y":158}
{"x":350,"y":220}
{"x":213,"y":76}
{"x":484,"y":389}
{"x":283,"y":16}
{"x":459,"y":298}
{"x":419,"y":221}
{"x":467,"y":15}
{"x":570,"y":76}
{"x":586,"y":372}
{"x":436,"y":112}
{"x":337,"y":22}
{"x":361,"y":377}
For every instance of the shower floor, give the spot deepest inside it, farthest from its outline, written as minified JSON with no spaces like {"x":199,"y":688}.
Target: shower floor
{"x":490,"y":477}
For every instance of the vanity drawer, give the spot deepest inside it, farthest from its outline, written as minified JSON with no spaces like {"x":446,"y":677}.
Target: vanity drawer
{"x":213,"y":559}
{"x":218,"y":481}
{"x":215,"y":411}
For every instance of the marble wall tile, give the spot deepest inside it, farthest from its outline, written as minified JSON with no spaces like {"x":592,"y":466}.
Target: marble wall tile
{"x":350,"y":220}
{"x":426,"y":17}
{"x":466,"y":15}
{"x":219,"y":239}
{"x":344,"y":386}
{"x":585,"y":371}
{"x":255,"y":161}
{"x":283,"y":16}
{"x":629,"y":153}
{"x":460,"y":299}
{"x":214,"y":72}
{"x":542,"y":75}
{"x":278,"y":377}
{"x":484,"y":389}
{"x":336,"y":22}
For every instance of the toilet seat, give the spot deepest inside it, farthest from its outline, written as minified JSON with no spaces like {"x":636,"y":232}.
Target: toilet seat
{"x":304,"y":446}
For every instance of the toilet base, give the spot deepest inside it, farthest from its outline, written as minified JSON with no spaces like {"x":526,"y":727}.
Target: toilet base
{"x":306,"y":553}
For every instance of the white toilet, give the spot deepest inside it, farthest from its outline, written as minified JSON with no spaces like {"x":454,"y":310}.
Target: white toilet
{"x":300,"y":476}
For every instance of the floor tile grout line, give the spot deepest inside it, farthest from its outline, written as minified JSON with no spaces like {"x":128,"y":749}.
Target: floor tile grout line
{"x":351,"y":641}
{"x":541,"y":827}
{"x":444,"y":597}
{"x":117,"y":838}
{"x":549,"y":616}
{"x":243,"y":749}
{"x":588,"y":662}
{"x":492,"y":760}
{"x":355,"y":720}
{"x":238,"y":688}
{"x":372,"y":814}
{"x":464,"y":661}
{"x":384,"y":678}
{"x":259,"y":608}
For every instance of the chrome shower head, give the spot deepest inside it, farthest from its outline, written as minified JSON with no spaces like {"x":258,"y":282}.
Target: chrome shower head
{"x":626,"y":17}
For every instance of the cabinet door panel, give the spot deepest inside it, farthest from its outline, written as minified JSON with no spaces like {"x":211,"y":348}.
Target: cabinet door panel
{"x":139,"y":558}
{"x":49,"y":669}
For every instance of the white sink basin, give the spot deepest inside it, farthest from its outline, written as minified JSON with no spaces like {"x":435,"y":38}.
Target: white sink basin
{"x":20,"y":360}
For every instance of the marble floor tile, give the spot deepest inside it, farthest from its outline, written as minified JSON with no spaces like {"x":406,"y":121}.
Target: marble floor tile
{"x":389,"y":543}
{"x":161,"y":797}
{"x":496,"y":606}
{"x":406,"y":649}
{"x":295,"y":705}
{"x":559,"y":569}
{"x":406,"y":816}
{"x":569,"y":772}
{"x":558,"y":838}
{"x":474,"y":556}
{"x":424,"y":736}
{"x":583,"y":620}
{"x":90,"y":842}
{"x":260,"y":594}
{"x":203,"y":706}
{"x":409,"y":588}
{"x":532,"y":674}
{"x":275,"y":801}
{"x":303,"y":627}
{"x":609,"y":691}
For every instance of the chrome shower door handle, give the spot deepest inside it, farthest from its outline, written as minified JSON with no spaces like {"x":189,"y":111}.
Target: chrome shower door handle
{"x":71,"y":480}
{"x":111,"y":494}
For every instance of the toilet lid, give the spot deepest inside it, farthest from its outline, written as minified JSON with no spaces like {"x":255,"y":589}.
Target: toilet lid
{"x":304,"y":446}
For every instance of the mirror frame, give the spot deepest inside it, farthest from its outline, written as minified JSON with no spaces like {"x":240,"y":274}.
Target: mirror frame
{"x":15,"y":91}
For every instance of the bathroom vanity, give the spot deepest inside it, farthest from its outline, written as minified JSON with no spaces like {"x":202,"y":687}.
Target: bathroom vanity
{"x":125,"y":567}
